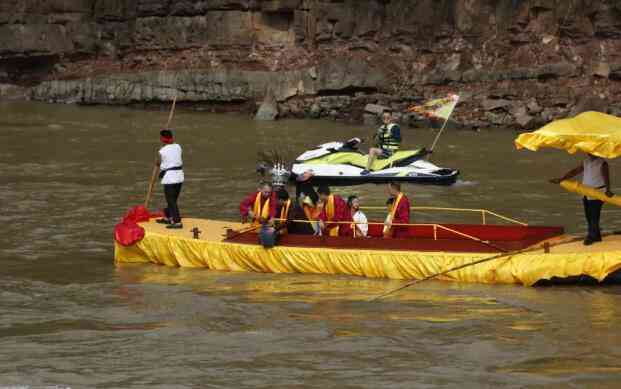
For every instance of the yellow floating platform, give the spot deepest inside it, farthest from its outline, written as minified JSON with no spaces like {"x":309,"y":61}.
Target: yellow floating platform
{"x":179,"y":248}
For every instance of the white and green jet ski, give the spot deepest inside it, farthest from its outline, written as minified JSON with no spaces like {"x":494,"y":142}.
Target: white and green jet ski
{"x":338,"y":163}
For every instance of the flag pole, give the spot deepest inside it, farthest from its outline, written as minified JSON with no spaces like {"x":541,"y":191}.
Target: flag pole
{"x":435,"y":141}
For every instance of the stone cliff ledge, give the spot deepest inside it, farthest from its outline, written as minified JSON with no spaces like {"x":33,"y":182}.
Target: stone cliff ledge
{"x":517,"y":63}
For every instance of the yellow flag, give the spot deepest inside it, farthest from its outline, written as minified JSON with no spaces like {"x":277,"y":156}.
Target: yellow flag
{"x":438,"y":108}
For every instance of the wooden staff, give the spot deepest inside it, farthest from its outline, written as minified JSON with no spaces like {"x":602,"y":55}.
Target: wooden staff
{"x":151,"y":184}
{"x":156,"y":168}
{"x":231,"y":234}
{"x":172,"y":112}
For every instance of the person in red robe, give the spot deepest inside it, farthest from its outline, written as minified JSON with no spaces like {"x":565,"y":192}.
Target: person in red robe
{"x":399,"y":213}
{"x":335,"y":209}
{"x":259,"y":206}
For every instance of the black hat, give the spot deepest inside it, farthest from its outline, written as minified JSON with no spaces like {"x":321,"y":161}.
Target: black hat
{"x":283,"y":195}
{"x":351,"y":199}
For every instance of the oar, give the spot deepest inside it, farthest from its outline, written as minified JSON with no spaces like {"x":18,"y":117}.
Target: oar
{"x":479,"y":261}
{"x":155,"y":167}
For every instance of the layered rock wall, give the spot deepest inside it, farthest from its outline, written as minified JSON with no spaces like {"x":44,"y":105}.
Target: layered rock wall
{"x":516,"y":62}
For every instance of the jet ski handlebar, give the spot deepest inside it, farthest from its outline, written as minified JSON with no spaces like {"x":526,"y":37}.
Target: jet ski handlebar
{"x":352,"y":143}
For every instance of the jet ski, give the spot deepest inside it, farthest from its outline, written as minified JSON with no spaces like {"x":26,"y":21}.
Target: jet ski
{"x":341,"y":164}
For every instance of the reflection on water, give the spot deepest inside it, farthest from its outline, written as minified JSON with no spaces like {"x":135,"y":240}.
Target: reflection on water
{"x":69,"y":317}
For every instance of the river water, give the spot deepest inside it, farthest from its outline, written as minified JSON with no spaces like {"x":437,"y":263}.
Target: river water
{"x":70,"y":318}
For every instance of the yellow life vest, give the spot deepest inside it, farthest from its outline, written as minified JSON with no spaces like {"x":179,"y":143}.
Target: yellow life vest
{"x":393,"y":211}
{"x":386,"y":138}
{"x":260,"y":213}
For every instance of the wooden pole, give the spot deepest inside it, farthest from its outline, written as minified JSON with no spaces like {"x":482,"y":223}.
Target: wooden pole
{"x":151,"y":184}
{"x":172,"y":112}
{"x":156,"y":168}
{"x":479,"y":261}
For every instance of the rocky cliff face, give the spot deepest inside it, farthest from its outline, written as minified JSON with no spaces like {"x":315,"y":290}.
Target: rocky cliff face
{"x":516,"y":62}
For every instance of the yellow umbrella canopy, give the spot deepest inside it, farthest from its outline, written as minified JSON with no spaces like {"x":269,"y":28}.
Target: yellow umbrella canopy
{"x":590,"y":132}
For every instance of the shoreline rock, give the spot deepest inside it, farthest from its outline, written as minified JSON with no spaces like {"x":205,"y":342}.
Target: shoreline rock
{"x":268,"y":110}
{"x":318,"y":92}
{"x":521,"y":63}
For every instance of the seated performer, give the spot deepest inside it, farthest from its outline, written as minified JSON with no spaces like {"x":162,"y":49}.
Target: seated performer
{"x":399,"y":213}
{"x":304,"y":209}
{"x":304,"y":187}
{"x":361,"y":226}
{"x":283,"y":211}
{"x":334,"y":209}
{"x":259,"y":206}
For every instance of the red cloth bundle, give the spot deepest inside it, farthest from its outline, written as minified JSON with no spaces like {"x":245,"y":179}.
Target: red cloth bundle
{"x":128,"y":232}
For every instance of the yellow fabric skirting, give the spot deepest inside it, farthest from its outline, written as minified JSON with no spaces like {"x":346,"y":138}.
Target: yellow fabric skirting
{"x":526,"y":268}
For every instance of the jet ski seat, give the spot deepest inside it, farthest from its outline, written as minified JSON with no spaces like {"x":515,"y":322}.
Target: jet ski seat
{"x":343,"y":156}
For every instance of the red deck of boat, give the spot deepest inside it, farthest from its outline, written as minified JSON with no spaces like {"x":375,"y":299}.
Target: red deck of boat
{"x":421,"y":238}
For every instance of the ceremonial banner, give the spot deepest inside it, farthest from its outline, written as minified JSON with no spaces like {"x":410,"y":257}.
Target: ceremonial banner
{"x":438,"y":108}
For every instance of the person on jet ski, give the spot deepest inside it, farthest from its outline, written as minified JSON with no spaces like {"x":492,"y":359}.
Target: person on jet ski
{"x":334,"y":209}
{"x":388,"y":138}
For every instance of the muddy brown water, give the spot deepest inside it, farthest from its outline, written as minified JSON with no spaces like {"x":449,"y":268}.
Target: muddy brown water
{"x":69,"y":317}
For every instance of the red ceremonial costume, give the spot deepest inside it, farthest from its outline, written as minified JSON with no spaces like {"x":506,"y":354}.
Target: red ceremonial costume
{"x":259,"y":210}
{"x":336,"y":210}
{"x":401,"y":216}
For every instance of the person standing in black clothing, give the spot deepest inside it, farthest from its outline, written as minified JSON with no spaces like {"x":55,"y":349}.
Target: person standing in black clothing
{"x":595,"y":174}
{"x":171,"y":174}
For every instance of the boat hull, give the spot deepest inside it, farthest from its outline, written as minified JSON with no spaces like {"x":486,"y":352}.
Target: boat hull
{"x":440,"y":180}
{"x":417,"y":172}
{"x":212,"y":251}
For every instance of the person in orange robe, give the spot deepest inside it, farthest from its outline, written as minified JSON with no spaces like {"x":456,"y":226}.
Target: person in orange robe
{"x":399,"y":213}
{"x":335,"y":209}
